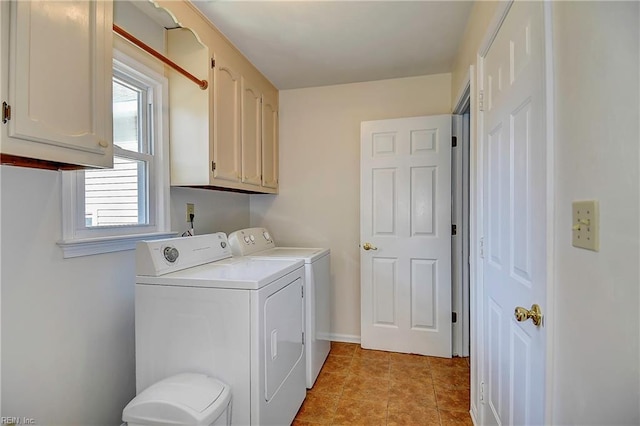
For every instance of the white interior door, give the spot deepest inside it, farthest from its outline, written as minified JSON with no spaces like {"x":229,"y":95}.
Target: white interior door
{"x":514,"y":211}
{"x":405,"y":215}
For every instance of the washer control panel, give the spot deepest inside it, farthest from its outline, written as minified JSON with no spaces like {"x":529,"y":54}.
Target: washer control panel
{"x":250,"y":240}
{"x":159,"y":257}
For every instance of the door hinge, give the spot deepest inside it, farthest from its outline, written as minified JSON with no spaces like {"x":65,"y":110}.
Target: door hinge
{"x":303,"y":337}
{"x":213,"y":63}
{"x":481,"y":247}
{"x":6,"y":112}
{"x":454,"y":230}
{"x":481,"y":100}
{"x":454,"y":141}
{"x":302,"y":288}
{"x":454,"y":317}
{"x":213,"y":166}
{"x":481,"y":391}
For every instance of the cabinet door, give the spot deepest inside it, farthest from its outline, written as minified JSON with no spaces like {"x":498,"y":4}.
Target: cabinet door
{"x":269,"y":142}
{"x":226,"y":122}
{"x":251,"y":134}
{"x":60,"y":81}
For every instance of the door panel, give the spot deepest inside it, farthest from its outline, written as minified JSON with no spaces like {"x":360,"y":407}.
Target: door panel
{"x":269,"y":142}
{"x":226,"y":123}
{"x":514,"y":215}
{"x":251,"y":134}
{"x":406,"y":216}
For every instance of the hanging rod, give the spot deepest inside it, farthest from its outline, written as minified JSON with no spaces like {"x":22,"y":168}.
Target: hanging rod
{"x":203,"y":84}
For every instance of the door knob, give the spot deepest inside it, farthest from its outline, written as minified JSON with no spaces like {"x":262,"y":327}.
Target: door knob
{"x":523,"y":314}
{"x":369,"y":246}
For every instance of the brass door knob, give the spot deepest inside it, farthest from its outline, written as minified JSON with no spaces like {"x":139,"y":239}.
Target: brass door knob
{"x":369,"y":246}
{"x":523,"y":314}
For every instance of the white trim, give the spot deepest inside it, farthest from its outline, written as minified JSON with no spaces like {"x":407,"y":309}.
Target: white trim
{"x":346,"y":338}
{"x":549,"y":81}
{"x":457,"y":287}
{"x":91,"y":246}
{"x":464,"y":93}
{"x":465,"y":139}
{"x":475,"y":235}
{"x":494,"y":26}
{"x":77,"y":239}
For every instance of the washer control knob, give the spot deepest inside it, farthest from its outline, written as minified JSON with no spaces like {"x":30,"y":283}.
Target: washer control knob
{"x":171,"y":254}
{"x":266,"y":235}
{"x":246,"y":239}
{"x":252,"y":238}
{"x":223,"y":244}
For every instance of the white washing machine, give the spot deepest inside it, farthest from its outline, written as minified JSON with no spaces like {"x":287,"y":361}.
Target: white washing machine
{"x":258,"y":243}
{"x":199,"y":310}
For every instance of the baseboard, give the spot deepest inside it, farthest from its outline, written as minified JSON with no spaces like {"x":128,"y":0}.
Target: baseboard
{"x":345,"y":338}
{"x":473,"y":418}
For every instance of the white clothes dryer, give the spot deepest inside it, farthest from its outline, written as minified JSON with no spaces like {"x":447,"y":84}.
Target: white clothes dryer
{"x":258,"y":243}
{"x":200,"y":310}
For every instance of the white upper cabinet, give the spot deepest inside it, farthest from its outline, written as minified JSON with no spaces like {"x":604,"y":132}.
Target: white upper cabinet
{"x":269,"y":141}
{"x":224,"y":137}
{"x":226,"y":122}
{"x":251,"y":134}
{"x":57,"y":58}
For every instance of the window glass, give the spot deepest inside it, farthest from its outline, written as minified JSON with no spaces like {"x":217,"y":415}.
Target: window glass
{"x":117,"y":196}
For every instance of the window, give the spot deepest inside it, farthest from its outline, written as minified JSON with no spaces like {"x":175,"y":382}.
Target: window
{"x":111,"y":209}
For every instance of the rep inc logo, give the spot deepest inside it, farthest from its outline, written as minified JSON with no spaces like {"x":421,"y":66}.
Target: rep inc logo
{"x":17,"y":421}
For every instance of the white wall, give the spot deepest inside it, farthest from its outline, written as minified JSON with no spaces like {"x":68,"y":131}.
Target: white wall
{"x":597,"y":147}
{"x":319,"y":200}
{"x":215,"y":211}
{"x":67,"y":324}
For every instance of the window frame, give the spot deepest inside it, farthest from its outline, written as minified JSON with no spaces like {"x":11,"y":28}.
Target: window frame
{"x":80,"y":240}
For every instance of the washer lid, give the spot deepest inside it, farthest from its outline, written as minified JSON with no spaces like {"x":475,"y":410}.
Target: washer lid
{"x":309,"y":255}
{"x":185,"y":399}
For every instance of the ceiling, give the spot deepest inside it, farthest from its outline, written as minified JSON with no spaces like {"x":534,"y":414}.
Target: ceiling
{"x":299,"y":44}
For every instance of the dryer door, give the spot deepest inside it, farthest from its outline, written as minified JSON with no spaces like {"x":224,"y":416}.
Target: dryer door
{"x":283,"y":322}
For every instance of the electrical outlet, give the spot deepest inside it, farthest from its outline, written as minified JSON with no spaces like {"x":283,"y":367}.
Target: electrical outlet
{"x":191,"y":210}
{"x":585,"y":228}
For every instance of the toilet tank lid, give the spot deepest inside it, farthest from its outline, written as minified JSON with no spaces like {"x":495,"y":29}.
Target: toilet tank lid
{"x":184,"y":399}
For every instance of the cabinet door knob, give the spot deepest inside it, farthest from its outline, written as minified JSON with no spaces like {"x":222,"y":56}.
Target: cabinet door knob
{"x":103,"y":144}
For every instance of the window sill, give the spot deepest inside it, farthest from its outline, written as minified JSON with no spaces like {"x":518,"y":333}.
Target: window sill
{"x":91,"y":246}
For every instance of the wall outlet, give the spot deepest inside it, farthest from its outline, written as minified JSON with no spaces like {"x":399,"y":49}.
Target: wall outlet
{"x":191,"y":210}
{"x":586,"y":227}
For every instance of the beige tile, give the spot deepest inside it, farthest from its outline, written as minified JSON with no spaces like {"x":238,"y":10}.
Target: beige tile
{"x":357,"y":412}
{"x":318,"y":408}
{"x":371,"y":354}
{"x":418,"y":417}
{"x":329,"y":383}
{"x":337,"y":364}
{"x":410,"y":373}
{"x":304,"y":423}
{"x":451,"y":378}
{"x":455,"y":418}
{"x":343,"y":349}
{"x":406,"y":391}
{"x":370,"y":368}
{"x":366,"y":389}
{"x":453,"y":399}
{"x":398,"y":358}
{"x":448,"y":363}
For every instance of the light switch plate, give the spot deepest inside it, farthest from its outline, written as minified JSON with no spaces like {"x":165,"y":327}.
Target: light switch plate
{"x":586,"y":225}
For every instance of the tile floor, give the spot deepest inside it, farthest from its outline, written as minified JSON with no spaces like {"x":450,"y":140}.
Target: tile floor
{"x":364,"y":387}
